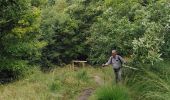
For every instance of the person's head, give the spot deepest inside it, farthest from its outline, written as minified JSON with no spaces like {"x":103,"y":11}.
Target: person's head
{"x":114,"y":53}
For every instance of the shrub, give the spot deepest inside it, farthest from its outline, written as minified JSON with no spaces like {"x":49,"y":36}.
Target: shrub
{"x":19,"y":35}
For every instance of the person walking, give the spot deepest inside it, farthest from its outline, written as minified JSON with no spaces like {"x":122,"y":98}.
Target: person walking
{"x":117,"y":61}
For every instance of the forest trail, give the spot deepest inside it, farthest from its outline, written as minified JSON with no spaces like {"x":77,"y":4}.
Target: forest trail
{"x":98,"y":80}
{"x":86,"y":93}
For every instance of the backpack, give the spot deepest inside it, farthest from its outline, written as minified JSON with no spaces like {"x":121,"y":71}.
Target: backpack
{"x":119,"y":60}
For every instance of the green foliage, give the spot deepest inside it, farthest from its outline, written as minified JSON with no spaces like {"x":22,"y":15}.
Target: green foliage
{"x":151,"y":84}
{"x":147,"y":48}
{"x":66,"y":28}
{"x":112,"y":93}
{"x":153,"y":43}
{"x":74,"y":27}
{"x":125,"y":25}
{"x":39,"y":3}
{"x":59,"y":31}
{"x":114,"y":29}
{"x":19,"y":35}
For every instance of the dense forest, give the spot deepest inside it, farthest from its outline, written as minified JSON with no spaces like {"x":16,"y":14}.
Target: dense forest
{"x":51,"y":33}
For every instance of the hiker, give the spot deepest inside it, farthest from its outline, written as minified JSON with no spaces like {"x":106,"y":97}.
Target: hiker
{"x":116,"y":61}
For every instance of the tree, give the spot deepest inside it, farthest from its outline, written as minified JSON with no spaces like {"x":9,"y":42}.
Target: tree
{"x":123,"y":23}
{"x":114,"y":29}
{"x":67,"y":29}
{"x":19,"y":35}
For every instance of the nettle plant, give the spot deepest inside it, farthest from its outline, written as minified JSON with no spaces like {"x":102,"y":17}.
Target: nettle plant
{"x":146,"y":49}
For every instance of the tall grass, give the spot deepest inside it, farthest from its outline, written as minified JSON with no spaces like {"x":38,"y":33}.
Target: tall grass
{"x":152,"y":83}
{"x":112,"y":93}
{"x":82,"y":75}
{"x":58,"y":84}
{"x":55,"y":86}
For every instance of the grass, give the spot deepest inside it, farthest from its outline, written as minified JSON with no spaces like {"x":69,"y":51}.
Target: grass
{"x":67,"y":84}
{"x":58,"y":84}
{"x":112,"y":92}
{"x":151,"y":84}
{"x":82,"y":75}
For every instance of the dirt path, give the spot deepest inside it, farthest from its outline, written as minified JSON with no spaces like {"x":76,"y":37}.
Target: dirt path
{"x":85,"y":94}
{"x":98,"y":80}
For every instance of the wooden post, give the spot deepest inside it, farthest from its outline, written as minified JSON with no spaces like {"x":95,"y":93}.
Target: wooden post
{"x":73,"y":65}
{"x":83,"y":64}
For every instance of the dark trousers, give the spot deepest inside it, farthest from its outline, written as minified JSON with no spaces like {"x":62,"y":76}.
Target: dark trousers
{"x":118,"y":73}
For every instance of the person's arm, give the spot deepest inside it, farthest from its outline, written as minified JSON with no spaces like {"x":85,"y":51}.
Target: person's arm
{"x":122,"y":60}
{"x":108,"y":62}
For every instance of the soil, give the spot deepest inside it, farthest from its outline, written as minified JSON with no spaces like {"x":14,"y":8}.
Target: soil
{"x":85,"y":94}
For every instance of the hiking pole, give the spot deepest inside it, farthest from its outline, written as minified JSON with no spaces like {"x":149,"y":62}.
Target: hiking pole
{"x":126,"y":66}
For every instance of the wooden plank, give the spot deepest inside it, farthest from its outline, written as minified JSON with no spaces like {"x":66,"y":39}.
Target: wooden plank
{"x":79,"y":61}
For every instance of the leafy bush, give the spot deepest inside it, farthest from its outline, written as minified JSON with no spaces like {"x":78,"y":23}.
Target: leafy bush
{"x":19,"y":35}
{"x":146,"y":49}
{"x":66,"y":28}
{"x":137,"y":28}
